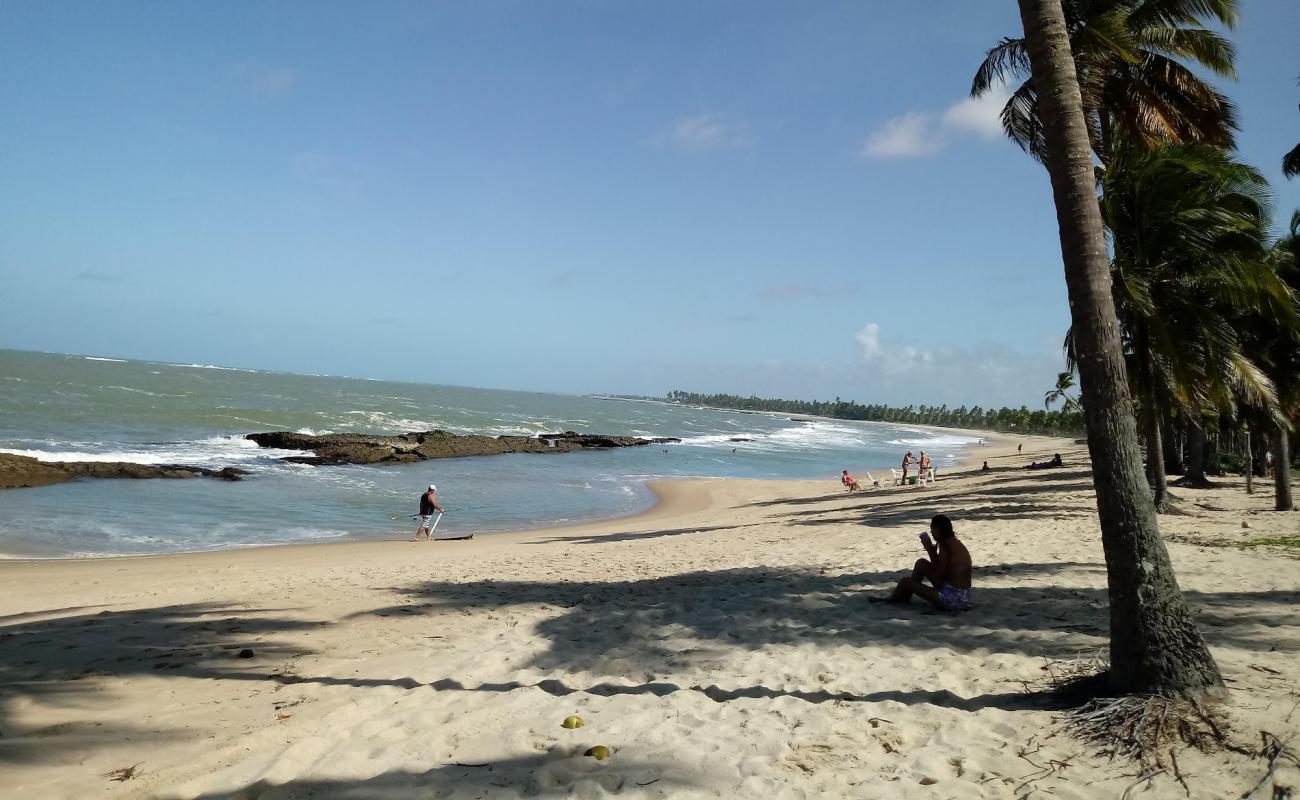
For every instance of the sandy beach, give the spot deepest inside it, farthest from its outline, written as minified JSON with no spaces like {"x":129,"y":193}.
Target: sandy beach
{"x":721,"y":645}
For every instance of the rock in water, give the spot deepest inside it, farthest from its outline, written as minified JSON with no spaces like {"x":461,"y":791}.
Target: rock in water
{"x":23,"y":471}
{"x":361,"y":448}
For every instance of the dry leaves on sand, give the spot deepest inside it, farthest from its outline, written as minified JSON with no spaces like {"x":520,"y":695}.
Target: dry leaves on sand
{"x":124,"y":773}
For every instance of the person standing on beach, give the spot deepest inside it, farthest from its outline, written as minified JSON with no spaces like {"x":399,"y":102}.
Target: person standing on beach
{"x":907,"y":463}
{"x":428,"y":505}
{"x":948,"y":569}
{"x":925,"y":463}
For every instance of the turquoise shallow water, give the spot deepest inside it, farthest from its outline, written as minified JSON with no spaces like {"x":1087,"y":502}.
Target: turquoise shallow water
{"x":77,"y":408}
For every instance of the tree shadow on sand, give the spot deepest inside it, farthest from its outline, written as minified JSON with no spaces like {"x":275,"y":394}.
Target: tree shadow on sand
{"x":638,"y":627}
{"x":560,"y":773}
{"x":58,"y":659}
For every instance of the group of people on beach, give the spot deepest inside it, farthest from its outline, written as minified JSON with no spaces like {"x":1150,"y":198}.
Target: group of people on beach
{"x":924,"y":465}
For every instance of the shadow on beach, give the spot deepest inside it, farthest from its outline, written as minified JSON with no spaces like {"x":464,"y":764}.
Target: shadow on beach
{"x":547,"y":775}
{"x":636,"y":627}
{"x":60,"y":661}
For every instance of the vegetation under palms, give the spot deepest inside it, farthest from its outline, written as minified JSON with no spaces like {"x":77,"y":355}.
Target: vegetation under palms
{"x":1189,"y":224}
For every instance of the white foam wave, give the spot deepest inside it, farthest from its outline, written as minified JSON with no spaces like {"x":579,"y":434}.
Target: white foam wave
{"x":215,"y":451}
{"x":932,"y":439}
{"x":811,"y":435}
{"x":388,"y":420}
{"x":211,"y":366}
{"x":98,"y":358}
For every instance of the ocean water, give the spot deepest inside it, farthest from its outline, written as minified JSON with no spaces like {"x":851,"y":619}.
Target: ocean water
{"x":83,"y":408}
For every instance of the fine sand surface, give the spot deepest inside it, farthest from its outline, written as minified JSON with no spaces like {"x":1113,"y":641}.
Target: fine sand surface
{"x":721,"y":645}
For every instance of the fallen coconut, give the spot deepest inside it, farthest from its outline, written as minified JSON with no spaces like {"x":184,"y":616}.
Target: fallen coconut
{"x":600,"y":752}
{"x":572,"y":722}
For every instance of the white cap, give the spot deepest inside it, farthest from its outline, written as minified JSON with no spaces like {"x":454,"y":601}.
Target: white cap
{"x":433,"y":488}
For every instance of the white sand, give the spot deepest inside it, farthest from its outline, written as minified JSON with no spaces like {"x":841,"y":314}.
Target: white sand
{"x":720,"y":644}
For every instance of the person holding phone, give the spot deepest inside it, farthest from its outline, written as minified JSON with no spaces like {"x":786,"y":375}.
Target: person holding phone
{"x":948,"y":569}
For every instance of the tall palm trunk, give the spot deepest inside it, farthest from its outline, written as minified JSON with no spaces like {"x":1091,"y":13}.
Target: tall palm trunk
{"x":1155,"y":645}
{"x":1151,"y":423}
{"x":1195,"y":476}
{"x":1172,"y":434}
{"x":1282,"y":470}
{"x":1250,"y":466}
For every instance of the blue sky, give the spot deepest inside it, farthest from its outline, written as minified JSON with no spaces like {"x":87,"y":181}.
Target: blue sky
{"x":777,"y":198}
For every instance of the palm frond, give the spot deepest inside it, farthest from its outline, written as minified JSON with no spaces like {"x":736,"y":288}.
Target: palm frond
{"x":1005,"y":61}
{"x":1291,"y":162}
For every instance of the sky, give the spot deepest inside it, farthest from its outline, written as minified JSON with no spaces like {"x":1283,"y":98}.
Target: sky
{"x":782,"y":199}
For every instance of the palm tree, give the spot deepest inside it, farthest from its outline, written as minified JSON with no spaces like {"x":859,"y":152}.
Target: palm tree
{"x":1060,"y":394}
{"x":1284,"y":365}
{"x":1188,"y":225}
{"x":1155,"y":645}
{"x":1128,"y":56}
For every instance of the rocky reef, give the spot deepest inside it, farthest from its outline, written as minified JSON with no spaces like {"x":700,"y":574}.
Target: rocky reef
{"x":360,"y":448}
{"x":22,"y":471}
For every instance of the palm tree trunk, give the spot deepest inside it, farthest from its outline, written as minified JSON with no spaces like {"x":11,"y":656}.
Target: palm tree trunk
{"x":1282,"y":470}
{"x":1172,"y":434}
{"x":1195,"y":475}
{"x":1155,"y":645}
{"x":1151,"y":422}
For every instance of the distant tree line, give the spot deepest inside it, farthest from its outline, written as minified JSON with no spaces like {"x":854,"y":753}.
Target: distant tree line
{"x":1042,"y":422}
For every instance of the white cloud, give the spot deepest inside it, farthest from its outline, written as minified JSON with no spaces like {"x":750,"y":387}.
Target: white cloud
{"x":869,"y":339}
{"x":275,"y":81}
{"x":922,"y":133}
{"x":975,"y":373}
{"x":979,"y":115}
{"x":704,"y":132}
{"x":913,"y":134}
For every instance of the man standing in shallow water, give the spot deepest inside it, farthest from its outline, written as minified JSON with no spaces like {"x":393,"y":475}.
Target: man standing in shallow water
{"x":948,"y":570}
{"x":428,"y":505}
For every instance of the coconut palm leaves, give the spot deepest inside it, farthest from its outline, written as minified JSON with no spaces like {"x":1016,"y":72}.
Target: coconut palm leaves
{"x":1189,"y":225}
{"x":1129,"y":55}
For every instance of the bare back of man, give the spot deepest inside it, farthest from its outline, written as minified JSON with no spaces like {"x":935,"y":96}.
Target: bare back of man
{"x":947,"y":571}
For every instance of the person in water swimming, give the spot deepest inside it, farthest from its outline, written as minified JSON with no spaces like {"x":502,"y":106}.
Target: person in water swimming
{"x":948,"y":569}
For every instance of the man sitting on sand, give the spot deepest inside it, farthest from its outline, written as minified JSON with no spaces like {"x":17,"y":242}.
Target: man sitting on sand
{"x":849,"y":482}
{"x":948,"y":569}
{"x":428,"y":505}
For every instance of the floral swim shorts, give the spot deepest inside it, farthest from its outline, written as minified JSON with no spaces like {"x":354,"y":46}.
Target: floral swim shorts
{"x":954,"y":599}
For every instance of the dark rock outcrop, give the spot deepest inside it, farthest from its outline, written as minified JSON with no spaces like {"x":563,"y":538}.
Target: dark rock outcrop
{"x":22,"y":471}
{"x":361,"y":448}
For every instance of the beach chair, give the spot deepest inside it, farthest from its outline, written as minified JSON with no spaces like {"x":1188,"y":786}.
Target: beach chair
{"x":898,"y":476}
{"x":872,"y":481}
{"x":925,"y":477}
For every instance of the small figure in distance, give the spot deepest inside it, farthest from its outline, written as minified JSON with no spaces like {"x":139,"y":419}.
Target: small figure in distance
{"x":428,"y":505}
{"x":849,"y":482}
{"x":948,"y":569}
{"x":1020,"y":447}
{"x":985,"y":468}
{"x":907,"y":463}
{"x":925,"y":465}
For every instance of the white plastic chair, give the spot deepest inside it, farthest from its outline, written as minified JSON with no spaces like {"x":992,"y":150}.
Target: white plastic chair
{"x":898,"y":476}
{"x":925,"y":477}
{"x":873,"y":481}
